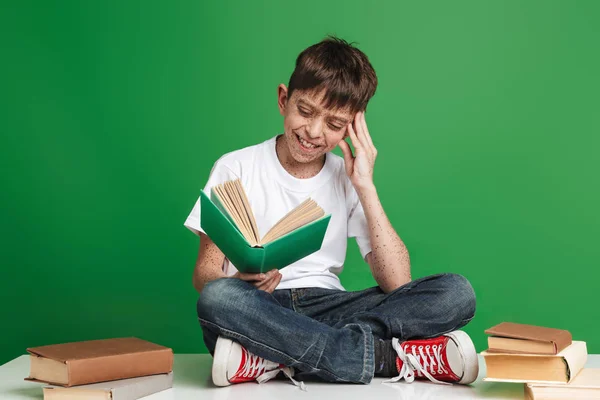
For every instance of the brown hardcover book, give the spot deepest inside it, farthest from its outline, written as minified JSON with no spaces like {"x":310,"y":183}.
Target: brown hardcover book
{"x":510,"y":337}
{"x":536,"y":368}
{"x":92,"y":361}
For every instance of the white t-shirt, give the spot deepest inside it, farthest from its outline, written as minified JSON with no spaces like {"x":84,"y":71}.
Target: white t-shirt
{"x":273,"y":192}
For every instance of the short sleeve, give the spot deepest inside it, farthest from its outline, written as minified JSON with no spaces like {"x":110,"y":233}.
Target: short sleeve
{"x":218,"y":174}
{"x":357,"y":225}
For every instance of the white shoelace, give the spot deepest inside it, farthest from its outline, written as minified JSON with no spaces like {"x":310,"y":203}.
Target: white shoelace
{"x":254,"y":364}
{"x":419,"y":361}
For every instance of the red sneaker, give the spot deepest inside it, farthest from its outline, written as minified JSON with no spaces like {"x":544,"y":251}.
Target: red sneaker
{"x":446,"y":359}
{"x":232,"y":363}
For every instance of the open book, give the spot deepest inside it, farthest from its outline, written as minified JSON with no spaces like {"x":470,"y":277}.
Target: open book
{"x":228,"y":220}
{"x":233,"y":198}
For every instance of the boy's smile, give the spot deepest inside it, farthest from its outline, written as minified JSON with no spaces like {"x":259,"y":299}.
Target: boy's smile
{"x":306,"y":146}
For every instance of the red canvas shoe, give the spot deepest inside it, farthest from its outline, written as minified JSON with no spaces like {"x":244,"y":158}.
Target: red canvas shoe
{"x":234,"y":364}
{"x":446,"y":359}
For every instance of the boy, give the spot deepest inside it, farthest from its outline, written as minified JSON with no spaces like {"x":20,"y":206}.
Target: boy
{"x":300,"y":320}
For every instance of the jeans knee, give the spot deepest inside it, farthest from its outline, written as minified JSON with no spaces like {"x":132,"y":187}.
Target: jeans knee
{"x":459,"y":295}
{"x":218,"y":295}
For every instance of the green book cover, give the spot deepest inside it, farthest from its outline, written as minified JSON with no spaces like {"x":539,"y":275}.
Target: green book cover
{"x":283,"y":251}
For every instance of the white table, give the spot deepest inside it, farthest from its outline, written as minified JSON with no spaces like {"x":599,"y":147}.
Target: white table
{"x":192,"y":380}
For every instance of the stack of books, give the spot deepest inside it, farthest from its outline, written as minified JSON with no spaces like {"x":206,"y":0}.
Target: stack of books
{"x":117,"y":369}
{"x":547,"y":360}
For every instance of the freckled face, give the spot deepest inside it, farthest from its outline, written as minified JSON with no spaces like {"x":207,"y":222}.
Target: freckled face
{"x":309,"y":129}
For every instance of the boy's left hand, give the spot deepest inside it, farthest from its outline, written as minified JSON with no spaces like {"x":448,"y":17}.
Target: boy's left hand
{"x":359,"y":167}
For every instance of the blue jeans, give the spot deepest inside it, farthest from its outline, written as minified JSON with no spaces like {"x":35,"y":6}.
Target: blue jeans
{"x":328,"y":334}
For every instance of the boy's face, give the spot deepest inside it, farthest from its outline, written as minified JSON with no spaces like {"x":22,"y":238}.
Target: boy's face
{"x":311,"y":130}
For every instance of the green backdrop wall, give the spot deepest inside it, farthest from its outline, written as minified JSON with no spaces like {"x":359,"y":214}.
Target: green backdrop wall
{"x":486,"y":120}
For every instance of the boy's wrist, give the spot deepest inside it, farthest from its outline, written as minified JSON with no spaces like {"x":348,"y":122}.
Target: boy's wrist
{"x":366,"y":190}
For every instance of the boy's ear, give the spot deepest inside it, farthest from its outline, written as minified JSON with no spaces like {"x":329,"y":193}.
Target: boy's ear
{"x":282,"y":98}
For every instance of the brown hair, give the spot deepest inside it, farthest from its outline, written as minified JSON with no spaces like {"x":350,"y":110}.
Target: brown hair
{"x":343,"y":71}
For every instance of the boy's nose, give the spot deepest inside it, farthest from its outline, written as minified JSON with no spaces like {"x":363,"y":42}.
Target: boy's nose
{"x":315,"y":129}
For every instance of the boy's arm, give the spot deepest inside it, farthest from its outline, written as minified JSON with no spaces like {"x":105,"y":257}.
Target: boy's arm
{"x":209,"y":264}
{"x":389,"y":260}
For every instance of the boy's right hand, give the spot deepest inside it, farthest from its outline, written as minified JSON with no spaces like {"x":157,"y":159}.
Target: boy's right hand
{"x":267,"y":281}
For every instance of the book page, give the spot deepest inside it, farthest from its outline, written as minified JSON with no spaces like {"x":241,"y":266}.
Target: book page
{"x":292,"y":219}
{"x":238,"y":191}
{"x":241,"y":211}
{"x":222,"y":196}
{"x":294,"y":224}
{"x":297,"y":210}
{"x":305,"y":213}
{"x":237,"y":201}
{"x":297,"y":221}
{"x":248,"y":209}
{"x":227,"y":201}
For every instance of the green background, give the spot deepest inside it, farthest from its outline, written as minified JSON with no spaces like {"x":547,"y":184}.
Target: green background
{"x":486,"y":120}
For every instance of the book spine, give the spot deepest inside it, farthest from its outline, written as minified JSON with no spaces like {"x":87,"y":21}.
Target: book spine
{"x":122,"y":366}
{"x":562,"y":341}
{"x":262,"y":260}
{"x":575,"y":357}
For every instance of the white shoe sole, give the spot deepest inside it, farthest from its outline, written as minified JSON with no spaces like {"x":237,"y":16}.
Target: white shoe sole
{"x":468,"y":352}
{"x":220,"y":361}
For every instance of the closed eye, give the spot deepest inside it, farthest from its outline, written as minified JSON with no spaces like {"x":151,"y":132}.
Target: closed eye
{"x":305,"y":113}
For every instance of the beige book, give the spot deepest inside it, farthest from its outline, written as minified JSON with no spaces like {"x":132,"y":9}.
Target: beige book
{"x":121,"y":389}
{"x":233,"y":198}
{"x":585,"y":386}
{"x":560,"y":368}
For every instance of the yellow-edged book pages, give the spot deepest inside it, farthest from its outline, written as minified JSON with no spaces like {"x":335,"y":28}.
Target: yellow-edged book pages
{"x":233,"y":198}
{"x":536,"y":368}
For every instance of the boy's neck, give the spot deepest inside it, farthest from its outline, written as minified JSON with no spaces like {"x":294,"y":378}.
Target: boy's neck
{"x":296,"y":169}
